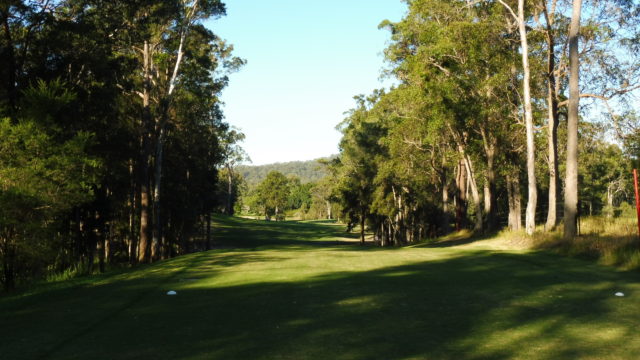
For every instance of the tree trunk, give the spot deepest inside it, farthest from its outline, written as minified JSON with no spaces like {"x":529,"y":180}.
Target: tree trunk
{"x":466,"y":164}
{"x":167,"y":237}
{"x":610,"y":194}
{"x":208,"y":219}
{"x":445,"y":203}
{"x":100,"y":233}
{"x":157,"y":225}
{"x":571,"y":180}
{"x":362,"y":220}
{"x":490,"y":205}
{"x":92,"y":242}
{"x":515,"y":210}
{"x":107,"y":247}
{"x":101,"y":250}
{"x":229,"y":191}
{"x":7,"y":251}
{"x":473,"y":185}
{"x":143,"y":250}
{"x":552,"y":128}
{"x":530,"y":219}
{"x":461,"y":196}
{"x":133,"y":205}
{"x":475,"y":194}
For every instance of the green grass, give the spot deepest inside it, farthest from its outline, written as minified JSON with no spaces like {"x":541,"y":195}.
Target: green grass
{"x":306,"y":291}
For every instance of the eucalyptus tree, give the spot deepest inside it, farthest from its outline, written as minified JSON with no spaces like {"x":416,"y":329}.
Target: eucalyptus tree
{"x":571,"y":179}
{"x":460,"y":56}
{"x":611,"y":70}
{"x":356,"y":167}
{"x":323,"y":197}
{"x":551,"y":22}
{"x":233,"y":154}
{"x":169,"y":50}
{"x":520,"y":19}
{"x":273,"y":193}
{"x":162,"y":56}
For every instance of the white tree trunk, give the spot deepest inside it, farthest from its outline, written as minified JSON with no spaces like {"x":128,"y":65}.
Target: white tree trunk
{"x":530,"y":218}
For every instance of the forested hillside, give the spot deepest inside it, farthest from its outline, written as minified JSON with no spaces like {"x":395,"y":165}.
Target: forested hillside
{"x":306,"y":171}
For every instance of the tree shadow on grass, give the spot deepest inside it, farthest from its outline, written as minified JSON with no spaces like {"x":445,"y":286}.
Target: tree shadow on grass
{"x":457,"y":238}
{"x":36,"y":323}
{"x":243,"y":233}
{"x":479,"y":305}
{"x":465,"y":305}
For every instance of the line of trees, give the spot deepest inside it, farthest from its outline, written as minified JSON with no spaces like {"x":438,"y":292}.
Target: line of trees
{"x":278,"y":195}
{"x":307,"y":171}
{"x":111,"y":132}
{"x":476,"y":116}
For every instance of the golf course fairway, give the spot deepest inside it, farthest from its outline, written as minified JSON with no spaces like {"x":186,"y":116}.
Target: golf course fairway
{"x":308,"y":290}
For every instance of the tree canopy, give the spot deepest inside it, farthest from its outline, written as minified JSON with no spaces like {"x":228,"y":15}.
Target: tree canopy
{"x":105,"y":109}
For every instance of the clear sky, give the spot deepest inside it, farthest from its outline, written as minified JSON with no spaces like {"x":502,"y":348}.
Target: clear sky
{"x":306,"y":61}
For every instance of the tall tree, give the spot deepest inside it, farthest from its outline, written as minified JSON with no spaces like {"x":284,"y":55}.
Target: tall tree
{"x":532,"y":190}
{"x":273,"y":194}
{"x":571,"y":177}
{"x":233,"y":154}
{"x":143,"y":82}
{"x":548,"y":9}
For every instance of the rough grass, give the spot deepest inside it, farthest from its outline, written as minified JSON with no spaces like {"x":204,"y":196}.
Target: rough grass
{"x":304,"y":291}
{"x":608,"y":240}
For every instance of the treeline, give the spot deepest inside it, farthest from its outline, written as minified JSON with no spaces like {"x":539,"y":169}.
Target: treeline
{"x":484,"y":122}
{"x":278,"y":197}
{"x":111,"y":132}
{"x":306,"y":171}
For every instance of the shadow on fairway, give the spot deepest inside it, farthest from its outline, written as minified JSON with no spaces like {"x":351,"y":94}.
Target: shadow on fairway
{"x":247,"y":233}
{"x":476,"y":306}
{"x":468,"y":305}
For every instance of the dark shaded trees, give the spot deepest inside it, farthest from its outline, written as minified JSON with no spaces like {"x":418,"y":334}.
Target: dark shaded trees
{"x":134,"y":86}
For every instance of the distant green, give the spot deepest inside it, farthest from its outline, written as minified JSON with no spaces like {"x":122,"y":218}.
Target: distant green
{"x":296,"y":290}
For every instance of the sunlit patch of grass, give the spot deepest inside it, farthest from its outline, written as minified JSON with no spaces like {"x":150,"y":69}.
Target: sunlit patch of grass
{"x":357,"y":301}
{"x":463,"y":234}
{"x":399,"y":273}
{"x":65,"y":275}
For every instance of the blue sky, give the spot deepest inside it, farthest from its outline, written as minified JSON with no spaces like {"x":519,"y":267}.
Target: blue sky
{"x":306,"y":61}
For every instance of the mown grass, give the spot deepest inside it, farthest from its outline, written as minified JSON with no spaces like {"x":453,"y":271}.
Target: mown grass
{"x":305,"y":291}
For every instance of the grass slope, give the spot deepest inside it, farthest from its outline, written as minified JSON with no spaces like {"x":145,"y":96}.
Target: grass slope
{"x":304,"y":291}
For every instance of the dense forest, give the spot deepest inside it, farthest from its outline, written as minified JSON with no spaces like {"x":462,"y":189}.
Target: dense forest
{"x":504,"y":110}
{"x":306,"y":171}
{"x":111,"y":132}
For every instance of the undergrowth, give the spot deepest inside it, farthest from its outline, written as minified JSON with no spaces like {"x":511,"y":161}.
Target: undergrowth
{"x":608,"y":240}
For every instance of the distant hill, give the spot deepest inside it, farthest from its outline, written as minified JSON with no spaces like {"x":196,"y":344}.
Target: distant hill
{"x":307,"y":171}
